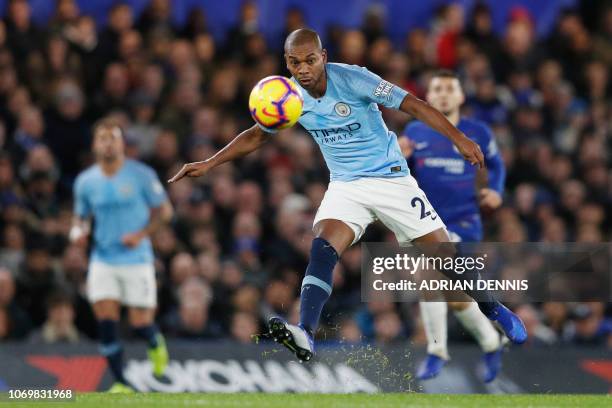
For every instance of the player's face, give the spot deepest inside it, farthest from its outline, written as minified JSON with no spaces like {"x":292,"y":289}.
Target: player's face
{"x":307,"y":64}
{"x":108,"y":143}
{"x":445,"y":94}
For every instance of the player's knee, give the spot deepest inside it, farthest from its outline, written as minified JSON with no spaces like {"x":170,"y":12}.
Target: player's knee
{"x":439,"y":250}
{"x":447,"y":250}
{"x":106,"y":310}
{"x":339,"y":235}
{"x":458,"y":306}
{"x":139,"y":317}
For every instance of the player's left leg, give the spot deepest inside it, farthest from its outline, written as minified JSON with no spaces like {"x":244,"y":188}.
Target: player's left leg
{"x":404,"y":208}
{"x":332,"y":238}
{"x":509,"y":322}
{"x":487,"y":337}
{"x":340,"y":221}
{"x":433,"y":317}
{"x":142,"y":321}
{"x":107,"y":313}
{"x":140,"y":295}
{"x":104,"y":293}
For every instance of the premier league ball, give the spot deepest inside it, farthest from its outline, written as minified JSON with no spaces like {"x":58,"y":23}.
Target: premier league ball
{"x":275,"y":103}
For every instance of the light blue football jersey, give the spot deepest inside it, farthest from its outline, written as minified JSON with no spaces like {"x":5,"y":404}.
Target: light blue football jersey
{"x":348,"y":126}
{"x":119,"y":205}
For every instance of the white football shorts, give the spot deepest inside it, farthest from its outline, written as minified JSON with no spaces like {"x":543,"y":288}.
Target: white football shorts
{"x":131,"y":285}
{"x":398,"y":202}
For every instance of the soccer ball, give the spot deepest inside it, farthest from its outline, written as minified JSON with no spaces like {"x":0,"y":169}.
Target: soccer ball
{"x":275,"y":103}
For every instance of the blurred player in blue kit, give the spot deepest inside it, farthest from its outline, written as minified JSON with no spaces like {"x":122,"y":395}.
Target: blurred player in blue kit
{"x":370,"y":179}
{"x":452,"y":188}
{"x":127,"y":202}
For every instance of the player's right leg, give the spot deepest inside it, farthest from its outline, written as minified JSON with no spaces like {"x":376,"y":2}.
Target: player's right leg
{"x":340,"y":221}
{"x":488,"y":338}
{"x":332,"y":238}
{"x":107,"y":314}
{"x":433,"y":316}
{"x":140,"y":295}
{"x":104,"y":293}
{"x":510,"y":323}
{"x":403,"y":207}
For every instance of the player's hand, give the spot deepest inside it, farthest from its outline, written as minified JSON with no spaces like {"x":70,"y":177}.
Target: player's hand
{"x":406,"y":146}
{"x":489,"y":199}
{"x":470,"y":151}
{"x":195,"y":169}
{"x":132,"y":239}
{"x":81,"y":241}
{"x":79,"y":234}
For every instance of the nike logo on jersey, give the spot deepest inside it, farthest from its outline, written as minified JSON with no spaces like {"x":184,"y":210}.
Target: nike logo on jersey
{"x":420,"y":146}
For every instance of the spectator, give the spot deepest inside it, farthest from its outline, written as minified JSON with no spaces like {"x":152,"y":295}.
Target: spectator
{"x":22,"y":36}
{"x":120,"y":20}
{"x":37,"y":279}
{"x":588,"y":325}
{"x":29,"y":132}
{"x":388,"y":328}
{"x":192,"y":319}
{"x":156,"y":17}
{"x":539,"y":334}
{"x":14,"y":321}
{"x":67,"y":131}
{"x":480,"y":31}
{"x":244,"y":326}
{"x":59,"y":326}
{"x":248,"y":24}
{"x":114,"y":90}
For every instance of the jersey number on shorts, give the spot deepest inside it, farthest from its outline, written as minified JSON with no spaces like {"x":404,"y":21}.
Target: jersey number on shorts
{"x":424,"y":213}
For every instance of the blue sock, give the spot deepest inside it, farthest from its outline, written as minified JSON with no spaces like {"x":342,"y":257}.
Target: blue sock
{"x":149,"y":333}
{"x":316,"y":286}
{"x":487,"y":308}
{"x":111,"y":348}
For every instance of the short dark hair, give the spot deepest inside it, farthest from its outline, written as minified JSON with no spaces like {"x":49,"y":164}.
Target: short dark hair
{"x":302,"y":36}
{"x":444,"y":73}
{"x":106,"y":123}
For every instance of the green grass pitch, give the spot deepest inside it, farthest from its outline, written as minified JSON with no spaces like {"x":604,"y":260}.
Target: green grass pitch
{"x":330,"y":400}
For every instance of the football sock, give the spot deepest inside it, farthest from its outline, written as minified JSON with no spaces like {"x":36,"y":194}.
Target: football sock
{"x":484,"y":298}
{"x":433,"y":315}
{"x":111,"y":348}
{"x":149,"y":333}
{"x":317,"y":284}
{"x":480,"y":327}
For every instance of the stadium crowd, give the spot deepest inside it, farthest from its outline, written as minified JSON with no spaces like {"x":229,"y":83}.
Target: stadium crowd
{"x":238,"y":246}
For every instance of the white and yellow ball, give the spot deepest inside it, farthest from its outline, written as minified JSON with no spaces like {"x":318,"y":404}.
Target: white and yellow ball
{"x":276,"y":103}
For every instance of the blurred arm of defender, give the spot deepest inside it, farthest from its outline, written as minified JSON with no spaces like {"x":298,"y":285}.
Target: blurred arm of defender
{"x":79,"y":232}
{"x":243,"y":144}
{"x":437,"y":121}
{"x":160,"y":209}
{"x":81,"y":222}
{"x":490,"y":194}
{"x":159,"y":216}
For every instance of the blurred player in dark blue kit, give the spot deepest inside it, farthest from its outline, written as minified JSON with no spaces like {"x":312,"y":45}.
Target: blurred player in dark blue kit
{"x":452,"y":186}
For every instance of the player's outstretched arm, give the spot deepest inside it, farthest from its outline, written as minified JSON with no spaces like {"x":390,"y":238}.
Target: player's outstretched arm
{"x":243,"y":144}
{"x":437,"y":121}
